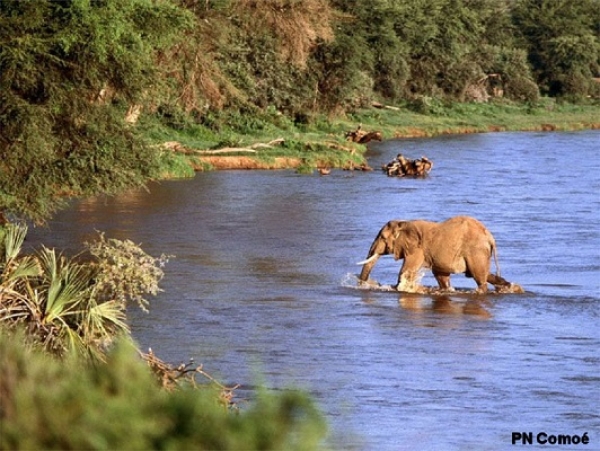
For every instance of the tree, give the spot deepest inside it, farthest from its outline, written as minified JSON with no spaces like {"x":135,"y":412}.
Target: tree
{"x":562,"y":38}
{"x":68,"y":72}
{"x":435,"y":48}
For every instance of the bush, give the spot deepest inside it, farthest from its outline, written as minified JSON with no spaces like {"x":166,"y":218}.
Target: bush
{"x":51,"y":404}
{"x":71,"y":306}
{"x":68,"y":73}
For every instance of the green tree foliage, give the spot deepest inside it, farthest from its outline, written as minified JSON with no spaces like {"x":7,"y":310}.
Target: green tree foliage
{"x":68,"y":72}
{"x":373,"y":52}
{"x":435,"y":48}
{"x":562,"y":38}
{"x":272,"y":48}
{"x":51,"y":404}
{"x":342,"y":72}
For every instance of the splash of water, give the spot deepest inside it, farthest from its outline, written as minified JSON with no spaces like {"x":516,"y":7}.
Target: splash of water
{"x":352,"y":281}
{"x":412,"y":285}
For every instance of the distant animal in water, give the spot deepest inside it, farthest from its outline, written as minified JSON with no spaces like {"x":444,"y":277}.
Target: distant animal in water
{"x":403,"y":167}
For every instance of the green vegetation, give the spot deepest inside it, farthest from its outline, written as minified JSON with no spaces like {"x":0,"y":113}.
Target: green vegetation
{"x":545,"y":114}
{"x":91,"y":93}
{"x":73,"y":307}
{"x":80,"y":80}
{"x":68,"y":72}
{"x":50,"y":404}
{"x":71,"y":378}
{"x":561,"y":40}
{"x":399,"y":121}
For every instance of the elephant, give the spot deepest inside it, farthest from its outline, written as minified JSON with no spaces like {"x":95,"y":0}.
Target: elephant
{"x":460,"y":244}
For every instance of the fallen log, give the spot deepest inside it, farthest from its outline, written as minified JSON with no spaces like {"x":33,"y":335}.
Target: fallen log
{"x":386,"y":107}
{"x":176,"y":146}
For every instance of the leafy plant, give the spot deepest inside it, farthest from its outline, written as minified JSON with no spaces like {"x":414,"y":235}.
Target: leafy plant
{"x":69,"y":306}
{"x":47,"y":403}
{"x":68,"y":73}
{"x":563,"y":44}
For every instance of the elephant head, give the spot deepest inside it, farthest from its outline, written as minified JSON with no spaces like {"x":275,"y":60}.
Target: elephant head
{"x":459,"y":245}
{"x":397,"y":238}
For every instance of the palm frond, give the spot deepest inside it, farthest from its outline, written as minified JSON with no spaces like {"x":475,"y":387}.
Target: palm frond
{"x":20,"y":270}
{"x":13,"y":305}
{"x":102,"y":323}
{"x":109,"y":313}
{"x":68,"y":284}
{"x":13,"y":241}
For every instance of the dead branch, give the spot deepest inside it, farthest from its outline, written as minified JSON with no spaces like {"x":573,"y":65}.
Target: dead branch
{"x":176,"y":146}
{"x":386,"y":107}
{"x":224,"y":150}
{"x":171,"y":378}
{"x":271,"y":143}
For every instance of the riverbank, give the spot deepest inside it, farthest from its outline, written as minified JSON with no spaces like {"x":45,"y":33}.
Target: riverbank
{"x":277,"y":143}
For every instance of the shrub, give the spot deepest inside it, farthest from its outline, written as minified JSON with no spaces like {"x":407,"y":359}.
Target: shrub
{"x":72,"y":306}
{"x":51,"y":404}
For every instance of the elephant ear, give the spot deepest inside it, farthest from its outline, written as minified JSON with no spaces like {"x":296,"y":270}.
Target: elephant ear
{"x":408,"y":240}
{"x":385,"y":241}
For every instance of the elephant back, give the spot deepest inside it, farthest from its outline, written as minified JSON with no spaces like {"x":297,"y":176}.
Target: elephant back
{"x":466,"y":234}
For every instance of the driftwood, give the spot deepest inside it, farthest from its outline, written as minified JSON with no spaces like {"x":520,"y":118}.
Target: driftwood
{"x":386,"y":107}
{"x":225,"y":150}
{"x":223,"y":158}
{"x":176,"y":146}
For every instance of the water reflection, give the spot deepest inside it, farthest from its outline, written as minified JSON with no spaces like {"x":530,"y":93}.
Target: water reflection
{"x":446,"y":305}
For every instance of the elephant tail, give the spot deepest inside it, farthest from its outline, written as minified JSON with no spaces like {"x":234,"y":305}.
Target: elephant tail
{"x":496,"y":259}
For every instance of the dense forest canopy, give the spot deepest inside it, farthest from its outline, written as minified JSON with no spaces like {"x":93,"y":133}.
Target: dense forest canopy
{"x":71,"y":71}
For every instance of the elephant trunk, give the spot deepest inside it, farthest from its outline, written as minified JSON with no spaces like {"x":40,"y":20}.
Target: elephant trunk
{"x":367,"y":266}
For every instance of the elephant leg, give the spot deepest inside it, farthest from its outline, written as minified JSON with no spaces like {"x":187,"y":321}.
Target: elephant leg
{"x":482,"y":288}
{"x":481,"y":278}
{"x":408,"y":276}
{"x":498,"y":281}
{"x":443,"y":280}
{"x":408,"y":282}
{"x":478,"y":269}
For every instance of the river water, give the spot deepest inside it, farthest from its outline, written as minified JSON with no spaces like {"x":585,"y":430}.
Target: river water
{"x":262,"y":289}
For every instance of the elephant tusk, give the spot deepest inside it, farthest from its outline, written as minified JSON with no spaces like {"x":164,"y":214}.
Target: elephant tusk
{"x":371,"y":259}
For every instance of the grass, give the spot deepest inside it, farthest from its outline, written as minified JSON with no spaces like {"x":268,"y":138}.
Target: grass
{"x":479,"y":118}
{"x":322,"y":141}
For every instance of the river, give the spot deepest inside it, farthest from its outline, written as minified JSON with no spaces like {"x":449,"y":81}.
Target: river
{"x":262,"y":289}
